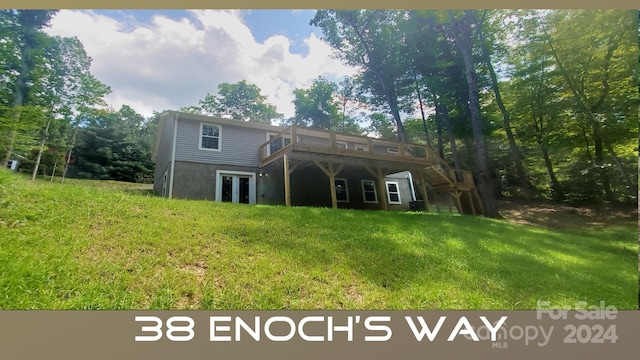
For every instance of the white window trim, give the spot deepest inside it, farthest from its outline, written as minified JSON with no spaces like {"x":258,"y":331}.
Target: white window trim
{"x":361,"y":147}
{"x":346,"y":187}
{"x":252,"y":183}
{"x":375,"y":192}
{"x":387,"y":183}
{"x":346,"y":145}
{"x":219,"y":137}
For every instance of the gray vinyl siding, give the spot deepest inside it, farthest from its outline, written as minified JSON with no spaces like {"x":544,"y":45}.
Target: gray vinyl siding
{"x":163,"y":157}
{"x":238,"y":145}
{"x":313,"y":140}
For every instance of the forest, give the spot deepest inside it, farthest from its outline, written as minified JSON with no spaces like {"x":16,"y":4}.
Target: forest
{"x":539,"y":104}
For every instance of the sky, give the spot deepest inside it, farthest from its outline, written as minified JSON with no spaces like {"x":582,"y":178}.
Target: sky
{"x":157,"y":60}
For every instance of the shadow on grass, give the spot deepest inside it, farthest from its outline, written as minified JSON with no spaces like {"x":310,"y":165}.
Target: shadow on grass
{"x":412,"y":250}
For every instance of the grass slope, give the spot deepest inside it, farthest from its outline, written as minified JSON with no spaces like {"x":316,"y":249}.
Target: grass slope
{"x":95,"y":245}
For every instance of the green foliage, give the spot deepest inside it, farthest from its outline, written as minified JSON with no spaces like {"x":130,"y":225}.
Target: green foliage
{"x":104,"y":245}
{"x":567,"y":80}
{"x":115,"y":146}
{"x":574,"y":100}
{"x":369,"y":39}
{"x":241,"y":101}
{"x":318,"y":107}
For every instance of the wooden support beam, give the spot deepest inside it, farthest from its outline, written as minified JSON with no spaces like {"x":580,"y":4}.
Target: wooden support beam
{"x":332,"y":185}
{"x":287,"y":181}
{"x":473,"y":207}
{"x":292,"y":167}
{"x":423,"y":190}
{"x":331,"y":173}
{"x":457,"y":195}
{"x":379,"y":175}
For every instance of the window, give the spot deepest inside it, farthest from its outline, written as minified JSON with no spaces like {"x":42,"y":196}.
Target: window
{"x":342,"y":191}
{"x":361,"y":147}
{"x":393,"y":192}
{"x":341,"y":145}
{"x":369,"y":192}
{"x":209,"y":137}
{"x":392,"y":150}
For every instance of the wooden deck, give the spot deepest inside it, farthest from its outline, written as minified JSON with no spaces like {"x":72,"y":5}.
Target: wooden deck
{"x":332,"y":151}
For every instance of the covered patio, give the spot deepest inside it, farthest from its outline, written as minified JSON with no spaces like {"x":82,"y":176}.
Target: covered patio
{"x":297,"y":148}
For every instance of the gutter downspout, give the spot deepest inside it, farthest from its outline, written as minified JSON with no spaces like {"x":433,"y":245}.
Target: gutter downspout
{"x":173,"y":155}
{"x":413,"y":189}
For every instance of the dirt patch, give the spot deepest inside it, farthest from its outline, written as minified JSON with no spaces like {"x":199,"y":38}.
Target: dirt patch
{"x":353,"y":295}
{"x":553,"y":215}
{"x":199,"y":268}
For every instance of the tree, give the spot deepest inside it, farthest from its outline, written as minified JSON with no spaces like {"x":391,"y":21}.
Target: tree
{"x":114,"y":145}
{"x":593,"y":52}
{"x":316,"y":106}
{"x":438,"y":71}
{"x":26,"y":40}
{"x":240,"y":101}
{"x":461,"y":29}
{"x":483,"y":26}
{"x":369,"y":39}
{"x":68,"y":88}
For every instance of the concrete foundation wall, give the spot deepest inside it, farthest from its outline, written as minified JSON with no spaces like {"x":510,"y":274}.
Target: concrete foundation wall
{"x":309,"y":186}
{"x":198,"y":181}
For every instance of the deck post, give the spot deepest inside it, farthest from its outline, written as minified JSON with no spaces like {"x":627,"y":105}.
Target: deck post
{"x":379,"y":175}
{"x":423,"y":190}
{"x":458,"y":194}
{"x":287,"y":180}
{"x":332,"y":186}
{"x":331,"y":174}
{"x":473,"y":208}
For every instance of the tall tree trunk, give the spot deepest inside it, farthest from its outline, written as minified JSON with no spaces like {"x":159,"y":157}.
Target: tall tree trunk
{"x":583,"y":101}
{"x":452,"y":139}
{"x":392,"y":100}
{"x":424,"y":119}
{"x":43,"y":137}
{"x":513,"y":148}
{"x":439,"y":131}
{"x":599,"y":161}
{"x":555,"y":186}
{"x":462,"y":37}
{"x":586,"y":145}
{"x":68,"y":159}
{"x":53,"y":173}
{"x":388,"y":89}
{"x":632,"y":185}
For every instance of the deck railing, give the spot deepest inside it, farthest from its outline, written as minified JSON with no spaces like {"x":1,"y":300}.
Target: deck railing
{"x":328,"y":142}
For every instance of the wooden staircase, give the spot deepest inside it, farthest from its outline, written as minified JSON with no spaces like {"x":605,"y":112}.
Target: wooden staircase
{"x":457,"y":183}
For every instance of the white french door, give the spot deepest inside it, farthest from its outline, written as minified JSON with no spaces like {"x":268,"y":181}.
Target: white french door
{"x":236,"y":187}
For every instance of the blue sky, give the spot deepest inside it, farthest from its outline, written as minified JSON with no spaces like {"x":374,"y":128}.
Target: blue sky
{"x":166,"y":59}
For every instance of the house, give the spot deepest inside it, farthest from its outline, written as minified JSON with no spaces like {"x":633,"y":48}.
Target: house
{"x":218,"y":159}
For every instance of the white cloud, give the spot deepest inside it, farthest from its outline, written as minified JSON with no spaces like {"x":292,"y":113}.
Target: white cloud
{"x":167,"y":63}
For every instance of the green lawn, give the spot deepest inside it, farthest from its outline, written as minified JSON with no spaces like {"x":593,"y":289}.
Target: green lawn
{"x":97,"y":245}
